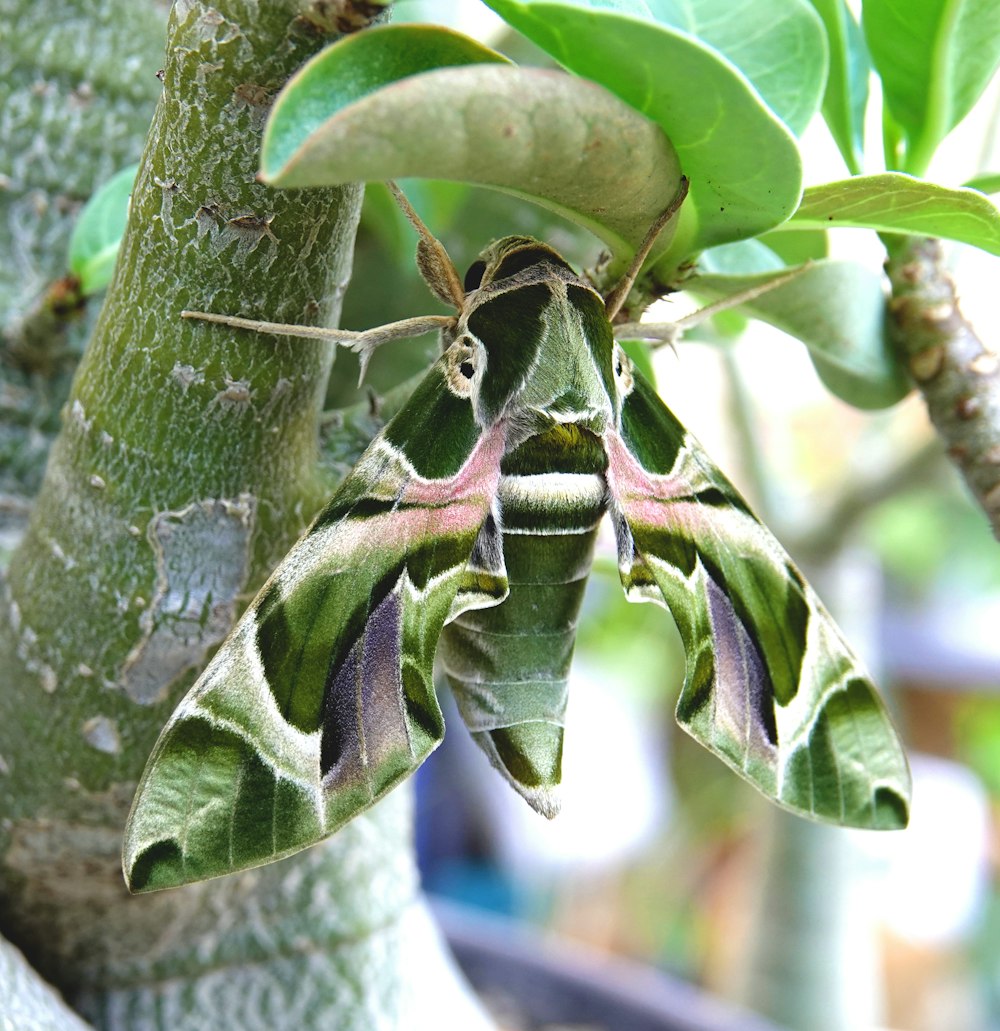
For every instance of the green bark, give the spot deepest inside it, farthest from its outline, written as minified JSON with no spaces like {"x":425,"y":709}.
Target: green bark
{"x":26,"y":1001}
{"x":76,"y":95}
{"x":186,"y":464}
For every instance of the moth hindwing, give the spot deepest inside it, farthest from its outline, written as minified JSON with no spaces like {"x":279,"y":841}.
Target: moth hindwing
{"x":466,"y":530}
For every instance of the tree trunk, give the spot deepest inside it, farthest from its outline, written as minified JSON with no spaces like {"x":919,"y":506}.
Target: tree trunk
{"x":186,"y":464}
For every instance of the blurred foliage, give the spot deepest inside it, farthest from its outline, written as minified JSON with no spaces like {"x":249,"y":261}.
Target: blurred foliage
{"x":97,"y":235}
{"x":76,"y":95}
{"x":934,"y":537}
{"x":616,"y":635}
{"x":977,"y":732}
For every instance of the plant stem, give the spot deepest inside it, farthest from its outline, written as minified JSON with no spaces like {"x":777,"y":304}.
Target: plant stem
{"x":957,"y":375}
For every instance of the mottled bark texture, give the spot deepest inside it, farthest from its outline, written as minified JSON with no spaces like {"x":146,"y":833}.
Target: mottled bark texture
{"x":77,"y":91}
{"x":957,"y":375}
{"x":186,"y":464}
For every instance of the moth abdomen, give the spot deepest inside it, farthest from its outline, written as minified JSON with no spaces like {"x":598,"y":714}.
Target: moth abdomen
{"x":508,"y":665}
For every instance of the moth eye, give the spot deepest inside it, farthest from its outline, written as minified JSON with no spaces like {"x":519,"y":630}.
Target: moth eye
{"x":623,"y":371}
{"x":474,"y":277}
{"x":461,"y":366}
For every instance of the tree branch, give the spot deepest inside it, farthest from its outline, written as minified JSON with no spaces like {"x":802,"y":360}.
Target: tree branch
{"x":957,"y":375}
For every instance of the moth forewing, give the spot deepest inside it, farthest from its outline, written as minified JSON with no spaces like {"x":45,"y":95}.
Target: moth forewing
{"x":329,"y":672}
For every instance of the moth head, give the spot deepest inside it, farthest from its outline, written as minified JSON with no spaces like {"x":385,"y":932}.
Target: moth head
{"x":518,"y":258}
{"x":544,"y":351}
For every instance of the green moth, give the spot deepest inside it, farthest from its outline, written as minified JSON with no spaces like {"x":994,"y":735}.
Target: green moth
{"x":465,"y":534}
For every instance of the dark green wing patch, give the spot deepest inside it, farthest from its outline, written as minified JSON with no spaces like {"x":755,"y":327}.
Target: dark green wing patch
{"x":510,"y":328}
{"x":436,"y":430}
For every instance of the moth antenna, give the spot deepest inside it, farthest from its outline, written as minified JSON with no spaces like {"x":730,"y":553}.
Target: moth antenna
{"x":660,"y":334}
{"x":734,"y":300}
{"x":616,"y":298}
{"x":436,"y":267}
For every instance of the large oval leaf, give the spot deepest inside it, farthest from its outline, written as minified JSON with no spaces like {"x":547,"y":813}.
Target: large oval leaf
{"x":895,"y":203}
{"x":837,"y":309}
{"x":741,"y":159}
{"x":787,"y":62}
{"x":356,"y":67}
{"x":545,"y":135}
{"x":935,"y":57}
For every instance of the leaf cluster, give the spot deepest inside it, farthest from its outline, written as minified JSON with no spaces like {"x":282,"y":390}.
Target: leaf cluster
{"x":717,"y":91}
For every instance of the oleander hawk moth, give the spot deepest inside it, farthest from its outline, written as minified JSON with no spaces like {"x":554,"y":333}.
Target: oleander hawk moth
{"x":465,"y":534}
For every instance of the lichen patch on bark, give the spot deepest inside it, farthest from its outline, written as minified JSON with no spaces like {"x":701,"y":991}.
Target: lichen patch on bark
{"x":195,"y":598}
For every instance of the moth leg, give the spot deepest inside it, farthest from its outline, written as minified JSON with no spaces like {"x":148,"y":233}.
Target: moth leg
{"x":283,"y":329}
{"x":365,"y":343}
{"x":616,"y":298}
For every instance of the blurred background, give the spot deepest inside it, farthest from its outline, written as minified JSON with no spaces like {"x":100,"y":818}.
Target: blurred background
{"x":660,"y":853}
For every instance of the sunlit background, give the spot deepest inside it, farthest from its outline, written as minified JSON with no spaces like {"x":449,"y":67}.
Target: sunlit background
{"x":660,"y":853}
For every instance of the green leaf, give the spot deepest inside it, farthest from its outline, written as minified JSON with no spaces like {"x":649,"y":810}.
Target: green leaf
{"x":558,"y":140}
{"x":714,"y":125}
{"x":837,"y":309}
{"x":846,"y":95}
{"x":786,"y":63}
{"x":987,"y":182}
{"x":896,"y":203}
{"x":93,"y":247}
{"x":740,"y":259}
{"x":799,"y":247}
{"x":350,"y":71}
{"x":935,"y":58}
